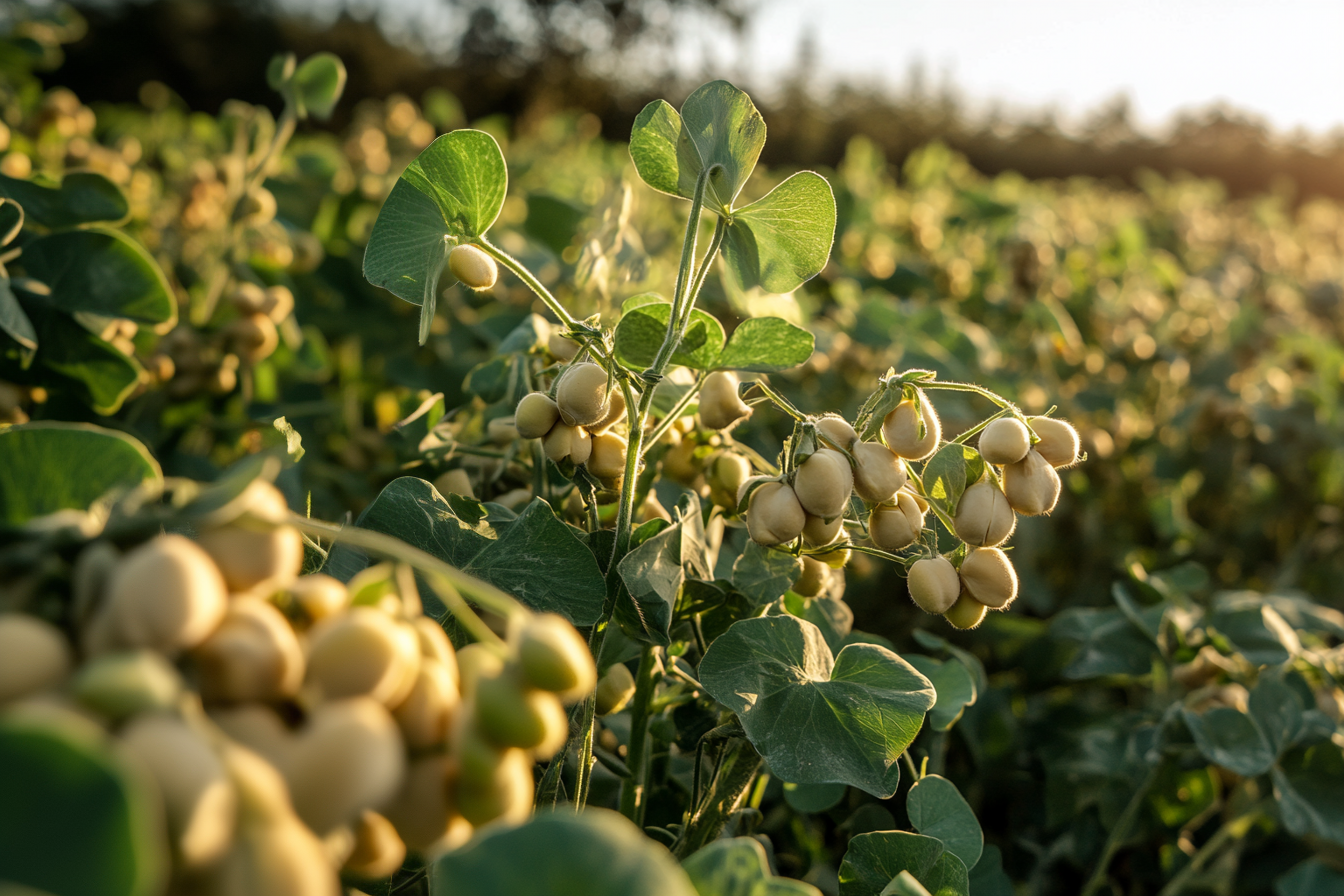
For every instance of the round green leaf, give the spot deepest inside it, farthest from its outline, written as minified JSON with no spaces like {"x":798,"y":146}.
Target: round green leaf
{"x":1309,"y":787}
{"x":937,"y":809}
{"x":718,"y":125}
{"x":954,"y":684}
{"x":1231,"y":739}
{"x":783,"y":238}
{"x":643,"y":324}
{"x":102,"y":272}
{"x":873,"y":860}
{"x":452,"y":192}
{"x":815,"y":719}
{"x":813,"y":798}
{"x":318,"y":83}
{"x":766,"y":345}
{"x":72,"y":823}
{"x":97,"y":371}
{"x":737,"y":866}
{"x":83,"y":197}
{"x":558,"y":853}
{"x":13,"y":321}
{"x":46,"y":467}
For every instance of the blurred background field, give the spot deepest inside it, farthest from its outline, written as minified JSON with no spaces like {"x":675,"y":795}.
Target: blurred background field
{"x":1178,"y":291}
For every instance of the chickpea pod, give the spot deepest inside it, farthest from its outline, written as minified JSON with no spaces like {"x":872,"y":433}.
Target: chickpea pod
{"x":896,"y":526}
{"x":614,"y":689}
{"x":167,"y":595}
{"x":837,"y":430}
{"x":1059,"y":443}
{"x":901,"y":428}
{"x":34,"y":656}
{"x":774,"y":515}
{"x":725,"y":472}
{"x":823,"y":483}
{"x":878,"y":471}
{"x":989,"y":577}
{"x":476,"y":662}
{"x":118,"y":685}
{"x":1004,"y":441}
{"x":819,"y":531}
{"x":934,"y":585}
{"x":428,"y":710}
{"x":812,"y":580}
{"x":984,"y":517}
{"x":607,"y":459}
{"x":535,"y":415}
{"x":562,"y":346}
{"x":505,"y":795}
{"x":554,"y":657}
{"x":252,"y":656}
{"x":319,"y":596}
{"x":364,"y":652}
{"x":472,"y":266}
{"x":379,"y":850}
{"x":279,"y":857}
{"x":1031,"y":485}
{"x":256,"y":552}
{"x":566,"y":441}
{"x":510,"y":714}
{"x":454,"y":482}
{"x":423,"y":810}
{"x":615,"y":413}
{"x":581,"y":395}
{"x":721,"y":407}
{"x":966,"y":613}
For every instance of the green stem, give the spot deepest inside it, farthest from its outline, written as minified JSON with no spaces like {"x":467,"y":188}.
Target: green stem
{"x":715,"y":243}
{"x":780,"y":401}
{"x":736,"y":770}
{"x":1123,"y":824}
{"x":1231,"y":831}
{"x":283,"y":132}
{"x":670,"y":419}
{"x":633,"y":788}
{"x":523,"y":274}
{"x":684,"y":271}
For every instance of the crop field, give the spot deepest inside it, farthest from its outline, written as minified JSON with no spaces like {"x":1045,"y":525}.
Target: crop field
{"x":433,"y":506}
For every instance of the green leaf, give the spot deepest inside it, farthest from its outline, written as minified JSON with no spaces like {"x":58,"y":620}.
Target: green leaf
{"x":873,"y":860}
{"x":1110,"y":644}
{"x":74,"y":823}
{"x":949,"y":472}
{"x":718,"y":125}
{"x":654,"y":572}
{"x":1231,"y":739}
{"x":643,"y":325}
{"x":490,"y":380}
{"x":1257,"y":631}
{"x":318,"y":83}
{"x":47,"y":466}
{"x":815,"y":719}
{"x":783,"y":238}
{"x":1277,"y":711}
{"x":737,"y":866}
{"x":1310,"y":878}
{"x":972,"y":662}
{"x":100,"y":373}
{"x":954,"y":684}
{"x":762,"y":575}
{"x":905,"y":884}
{"x":832,"y":616}
{"x":1309,"y":785}
{"x":536,"y":557}
{"x":13,"y":321}
{"x":102,"y":272}
{"x":937,"y":809}
{"x":453,"y":191}
{"x":988,"y":878}
{"x":83,"y":197}
{"x":595,"y":853}
{"x":813,"y":798}
{"x":766,"y":345}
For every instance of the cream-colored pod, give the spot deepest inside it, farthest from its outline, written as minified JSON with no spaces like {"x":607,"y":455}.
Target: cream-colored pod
{"x":424,"y":811}
{"x":934,"y":585}
{"x":607,"y":458}
{"x":535,"y":415}
{"x":823,"y":483}
{"x":256,"y":552}
{"x":275,"y":858}
{"x":819,"y":532}
{"x":878,"y":471}
{"x":495,"y":785}
{"x":581,"y":395}
{"x":252,"y":656}
{"x":34,"y":656}
{"x":984,"y":517}
{"x":1031,"y":485}
{"x":721,"y":406}
{"x":319,"y":596}
{"x":774,"y":514}
{"x":989,"y":577}
{"x":837,"y":430}
{"x":167,"y":595}
{"x":472,"y":267}
{"x":896,"y":526}
{"x":966,"y":613}
{"x":566,"y":441}
{"x":554,"y":657}
{"x":813,"y":578}
{"x":1004,"y":441}
{"x":427,"y":713}
{"x":379,"y":850}
{"x":901,"y":428}
{"x":1059,"y":442}
{"x":454,"y":482}
{"x":363,"y":652}
{"x":614,"y":689}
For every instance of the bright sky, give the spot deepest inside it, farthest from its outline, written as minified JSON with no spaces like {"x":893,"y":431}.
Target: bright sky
{"x":1281,"y":59}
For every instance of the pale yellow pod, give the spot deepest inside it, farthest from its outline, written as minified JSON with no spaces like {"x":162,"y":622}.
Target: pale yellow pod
{"x":259,"y":728}
{"x":553,"y":656}
{"x":966,"y":613}
{"x":819,"y":532}
{"x":581,"y":395}
{"x":434,"y":644}
{"x":277,"y":858}
{"x":505,"y":796}
{"x":535,"y":415}
{"x":118,"y":685}
{"x":255,"y":557}
{"x":426,"y":714}
{"x":1059,"y":443}
{"x":510,"y":714}
{"x":680,"y":463}
{"x":813,"y":579}
{"x":424,"y":811}
{"x":568,"y":442}
{"x":823,"y":483}
{"x":454,"y":482}
{"x":562,"y":346}
{"x":615,"y":413}
{"x":878,"y":471}
{"x":774,"y":515}
{"x":614,"y":689}
{"x":725,"y":472}
{"x":1004,"y":441}
{"x":901,"y":429}
{"x":651,"y":509}
{"x":502,"y":431}
{"x":838,"y":430}
{"x":934,"y":585}
{"x":34,"y":656}
{"x":472,"y":267}
{"x":319,"y":596}
{"x":984,"y":516}
{"x":989,"y":577}
{"x":475,"y":662}
{"x":607,"y":458}
{"x":896,"y":526}
{"x":364,"y":652}
{"x":200,"y":802}
{"x":379,"y":851}
{"x":721,"y":406}
{"x":836,"y":558}
{"x":252,"y":656}
{"x":347,"y":759}
{"x":1031,"y":485}
{"x":263,"y":795}
{"x":167,"y":595}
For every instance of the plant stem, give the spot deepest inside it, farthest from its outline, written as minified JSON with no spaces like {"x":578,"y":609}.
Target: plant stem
{"x":523,"y":274}
{"x":780,"y":401}
{"x":736,"y":770}
{"x":1123,"y":824}
{"x":1231,"y":831}
{"x":283,"y":132}
{"x":633,"y":788}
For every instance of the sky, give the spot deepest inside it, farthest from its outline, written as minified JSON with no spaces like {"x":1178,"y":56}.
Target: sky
{"x":1282,"y":60}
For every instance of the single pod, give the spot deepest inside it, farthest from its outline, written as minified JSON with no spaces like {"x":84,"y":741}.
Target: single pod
{"x":933,"y":584}
{"x":379,"y":850}
{"x":614,"y":689}
{"x":721,"y":407}
{"x":823,"y":483}
{"x":34,"y":656}
{"x":1058,"y":443}
{"x":423,"y":811}
{"x":878,"y":471}
{"x":554,"y":657}
{"x":607,"y":458}
{"x":989,"y":577}
{"x":476,"y":662}
{"x":966,"y":613}
{"x":566,"y":441}
{"x":582,"y":395}
{"x":901,"y":428}
{"x":812,"y":580}
{"x":837,"y":430}
{"x":774,"y":515}
{"x":118,"y":685}
{"x":167,"y":595}
{"x":535,"y":415}
{"x":505,"y":795}
{"x":472,"y":266}
{"x":252,"y":656}
{"x":275,"y":858}
{"x":819,"y":531}
{"x":984,"y":516}
{"x":427,"y":713}
{"x":1004,"y":441}
{"x":897,"y":525}
{"x":510,"y":714}
{"x":319,"y":596}
{"x":1031,"y":485}
{"x":615,"y":413}
{"x":725,"y":472}
{"x":256,"y":552}
{"x":454,"y":482}
{"x":364,"y":652}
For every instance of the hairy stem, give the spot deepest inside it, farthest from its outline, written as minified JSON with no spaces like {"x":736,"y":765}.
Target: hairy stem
{"x":736,"y":770}
{"x":634,"y":788}
{"x":522,"y":273}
